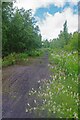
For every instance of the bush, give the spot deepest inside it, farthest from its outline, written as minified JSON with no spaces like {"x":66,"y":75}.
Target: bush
{"x":13,"y":58}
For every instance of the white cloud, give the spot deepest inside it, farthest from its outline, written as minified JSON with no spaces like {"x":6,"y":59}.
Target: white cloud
{"x":35,"y":4}
{"x":74,"y":2}
{"x":52,"y":24}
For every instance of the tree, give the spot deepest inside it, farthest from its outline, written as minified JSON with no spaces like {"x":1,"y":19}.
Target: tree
{"x":7,"y":14}
{"x":65,"y":30}
{"x":46,"y":43}
{"x":20,"y":31}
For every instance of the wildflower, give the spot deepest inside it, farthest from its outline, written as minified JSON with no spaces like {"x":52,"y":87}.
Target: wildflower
{"x":34,"y":108}
{"x":70,"y":109}
{"x":58,"y":110}
{"x":58,"y":89}
{"x":50,"y":76}
{"x":49,"y":110}
{"x":77,"y":103}
{"x":35,"y":91}
{"x":71,"y":92}
{"x":75,"y":115}
{"x":34,"y":101}
{"x":39,"y":81}
{"x":28,"y":104}
{"x":60,"y":117}
{"x":54,"y":102}
{"x":29,"y":93}
{"x":54,"y":112}
{"x":67,"y":109}
{"x":48,"y":65}
{"x":63,"y":91}
{"x":47,"y":87}
{"x":26,"y":110}
{"x":68,"y":86}
{"x":50,"y":92}
{"x":32,"y":88}
{"x":74,"y":94}
{"x":40,"y":87}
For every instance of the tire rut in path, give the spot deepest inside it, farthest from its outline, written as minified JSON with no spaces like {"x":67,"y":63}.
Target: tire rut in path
{"x":17,"y":82}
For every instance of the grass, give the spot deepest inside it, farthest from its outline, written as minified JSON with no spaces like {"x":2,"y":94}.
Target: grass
{"x":61,"y":93}
{"x":15,"y":58}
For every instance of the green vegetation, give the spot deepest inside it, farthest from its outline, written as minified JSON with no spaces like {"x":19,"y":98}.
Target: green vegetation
{"x":16,"y":58}
{"x":63,"y":89}
{"x":22,"y":39}
{"x":19,"y":30}
{"x":20,"y":35}
{"x":60,"y":94}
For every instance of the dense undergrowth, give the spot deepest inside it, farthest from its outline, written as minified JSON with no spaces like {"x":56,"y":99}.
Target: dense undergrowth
{"x":63,"y":91}
{"x":15,"y":58}
{"x":60,"y":94}
{"x":63,"y":88}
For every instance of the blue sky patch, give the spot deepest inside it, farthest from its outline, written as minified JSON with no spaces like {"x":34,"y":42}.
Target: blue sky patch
{"x":52,"y":9}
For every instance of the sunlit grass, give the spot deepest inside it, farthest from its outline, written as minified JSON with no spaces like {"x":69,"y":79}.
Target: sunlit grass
{"x":64,"y":86}
{"x":60,"y":94}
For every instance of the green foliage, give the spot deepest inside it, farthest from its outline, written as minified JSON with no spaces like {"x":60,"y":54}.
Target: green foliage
{"x":65,"y":31}
{"x":9,"y":60}
{"x":60,"y":94}
{"x":65,"y":40}
{"x":34,"y":53}
{"x":20,"y":32}
{"x":15,"y":58}
{"x":46,"y":43}
{"x":73,"y":43}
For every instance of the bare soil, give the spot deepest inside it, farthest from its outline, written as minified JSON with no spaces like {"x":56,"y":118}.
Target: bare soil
{"x":17,"y":81}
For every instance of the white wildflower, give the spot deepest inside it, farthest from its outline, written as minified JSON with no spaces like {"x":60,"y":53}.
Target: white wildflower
{"x":26,"y":110}
{"x":39,"y":81}
{"x":34,"y":101}
{"x":28,"y":104}
{"x":32,"y":88}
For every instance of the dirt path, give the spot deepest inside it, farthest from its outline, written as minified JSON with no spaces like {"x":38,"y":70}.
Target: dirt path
{"x":17,"y":81}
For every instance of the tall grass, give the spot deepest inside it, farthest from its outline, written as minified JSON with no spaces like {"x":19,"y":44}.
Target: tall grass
{"x":61,"y":92}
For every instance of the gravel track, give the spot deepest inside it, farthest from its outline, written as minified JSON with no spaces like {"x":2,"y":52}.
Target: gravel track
{"x":17,"y":81}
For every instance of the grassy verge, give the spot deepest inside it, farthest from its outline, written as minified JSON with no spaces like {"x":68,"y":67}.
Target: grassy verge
{"x":15,"y":58}
{"x":60,"y":95}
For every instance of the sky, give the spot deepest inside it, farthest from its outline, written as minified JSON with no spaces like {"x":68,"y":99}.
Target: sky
{"x":51,"y":15}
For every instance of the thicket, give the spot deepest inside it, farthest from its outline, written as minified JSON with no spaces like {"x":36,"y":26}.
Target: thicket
{"x":19,"y":30}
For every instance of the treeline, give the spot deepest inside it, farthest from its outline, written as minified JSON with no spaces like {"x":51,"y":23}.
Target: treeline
{"x":19,"y":30}
{"x":65,"y":40}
